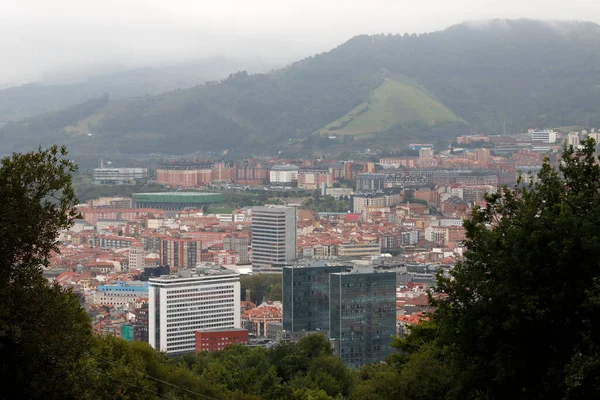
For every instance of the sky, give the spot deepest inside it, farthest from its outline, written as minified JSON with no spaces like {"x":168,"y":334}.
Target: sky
{"x":58,"y":40}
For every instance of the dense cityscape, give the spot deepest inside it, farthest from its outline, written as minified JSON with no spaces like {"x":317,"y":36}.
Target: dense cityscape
{"x":303,"y":200}
{"x":162,"y":268}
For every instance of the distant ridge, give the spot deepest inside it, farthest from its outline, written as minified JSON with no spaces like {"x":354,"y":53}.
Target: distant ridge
{"x":473,"y":76}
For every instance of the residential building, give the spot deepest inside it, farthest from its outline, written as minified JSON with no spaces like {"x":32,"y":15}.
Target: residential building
{"x":238,"y":244}
{"x":397,"y":162}
{"x":179,"y":306}
{"x":119,"y":175}
{"x":217,"y":339}
{"x":425,"y":154}
{"x":357,"y":250}
{"x":362,"y":316}
{"x":314,"y":177}
{"x":121,"y":293}
{"x":482,"y":155}
{"x":283,"y":174}
{"x":544,"y":136}
{"x":360,"y":201}
{"x":248,"y":172}
{"x":273,"y":238}
{"x":222,"y":172}
{"x":136,"y":256}
{"x":370,"y":182}
{"x":184,"y":175}
{"x":179,"y":253}
{"x":595,"y":136}
{"x":306,"y":296}
{"x":573,"y":139}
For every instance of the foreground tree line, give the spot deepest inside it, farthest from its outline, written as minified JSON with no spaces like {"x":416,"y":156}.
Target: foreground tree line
{"x":517,"y":319}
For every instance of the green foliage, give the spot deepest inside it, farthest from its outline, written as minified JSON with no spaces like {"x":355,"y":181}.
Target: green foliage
{"x":262,"y":287}
{"x":527,"y":306}
{"x":34,"y":99}
{"x":35,"y":348}
{"x":517,"y":319}
{"x":37,"y":201}
{"x":392,"y":103}
{"x":326,"y":204}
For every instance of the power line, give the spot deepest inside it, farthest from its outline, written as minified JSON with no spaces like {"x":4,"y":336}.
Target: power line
{"x":157,"y":380}
{"x":137,"y":386}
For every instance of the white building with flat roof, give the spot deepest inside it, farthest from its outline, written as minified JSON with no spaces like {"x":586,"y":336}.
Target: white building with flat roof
{"x":545,"y":136}
{"x":119,"y":175}
{"x":283,"y":174}
{"x":180,"y":306}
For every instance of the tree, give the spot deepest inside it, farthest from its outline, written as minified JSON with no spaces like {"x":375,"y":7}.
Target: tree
{"x":44,"y":332}
{"x":37,"y":202}
{"x":521,"y":315}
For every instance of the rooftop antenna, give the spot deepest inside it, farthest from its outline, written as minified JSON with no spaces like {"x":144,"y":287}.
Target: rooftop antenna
{"x":504,"y":126}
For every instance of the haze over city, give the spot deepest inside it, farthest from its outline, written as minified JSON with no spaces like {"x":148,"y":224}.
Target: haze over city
{"x":69,"y":40}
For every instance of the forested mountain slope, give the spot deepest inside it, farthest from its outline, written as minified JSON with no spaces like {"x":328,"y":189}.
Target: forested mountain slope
{"x":472,"y":77}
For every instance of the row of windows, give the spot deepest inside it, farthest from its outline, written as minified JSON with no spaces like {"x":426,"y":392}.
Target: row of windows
{"x":181,"y":305}
{"x":221,"y":339}
{"x":205,"y":294}
{"x":200,"y":289}
{"x":191,"y":332}
{"x":179,"y":316}
{"x":211,"y":307}
{"x":186,"y":300}
{"x":179,"y":322}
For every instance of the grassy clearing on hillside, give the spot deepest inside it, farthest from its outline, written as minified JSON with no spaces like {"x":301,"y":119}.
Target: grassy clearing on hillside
{"x":87,"y":125}
{"x":392,"y":103}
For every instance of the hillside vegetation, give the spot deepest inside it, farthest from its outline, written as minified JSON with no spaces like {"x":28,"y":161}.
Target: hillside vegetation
{"x":35,"y":98}
{"x":469,"y":78}
{"x":392,"y":103}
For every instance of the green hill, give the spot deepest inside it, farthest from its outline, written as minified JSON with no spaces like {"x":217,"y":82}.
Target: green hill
{"x":392,"y":103}
{"x":470,"y":78}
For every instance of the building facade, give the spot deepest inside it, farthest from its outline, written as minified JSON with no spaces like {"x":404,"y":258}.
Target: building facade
{"x":119,"y":175}
{"x":282,"y":174}
{"x":121,"y":294}
{"x":362,"y":319}
{"x":273,"y":238}
{"x":238,"y":244}
{"x":370,"y":182}
{"x":179,"y":253}
{"x":180,"y":306}
{"x":175,"y":201}
{"x":136,"y":256}
{"x":306,"y":297}
{"x":314,"y":178}
{"x":217,"y":339}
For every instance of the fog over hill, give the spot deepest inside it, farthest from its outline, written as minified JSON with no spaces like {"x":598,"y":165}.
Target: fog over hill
{"x":472,"y":77}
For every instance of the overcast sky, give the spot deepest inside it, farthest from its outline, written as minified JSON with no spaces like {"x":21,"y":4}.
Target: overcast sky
{"x":40,"y":39}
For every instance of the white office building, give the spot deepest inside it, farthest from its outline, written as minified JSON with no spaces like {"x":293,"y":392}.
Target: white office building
{"x":544,"y":136}
{"x":283,"y":174}
{"x":180,"y":306}
{"x":119,"y":175}
{"x":273,"y":238}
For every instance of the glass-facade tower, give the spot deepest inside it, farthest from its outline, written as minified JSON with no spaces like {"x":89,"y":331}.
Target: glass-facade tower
{"x":306,"y":297}
{"x":362,"y":316}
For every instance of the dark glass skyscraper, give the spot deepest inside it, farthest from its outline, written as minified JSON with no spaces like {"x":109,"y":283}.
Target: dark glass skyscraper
{"x":306,"y":296}
{"x":362,"y":317}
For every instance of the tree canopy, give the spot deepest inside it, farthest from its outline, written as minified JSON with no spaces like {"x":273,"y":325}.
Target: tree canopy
{"x":518,"y":317}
